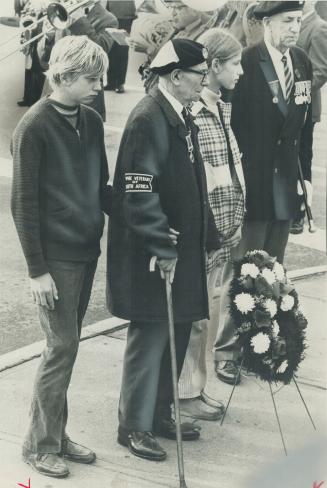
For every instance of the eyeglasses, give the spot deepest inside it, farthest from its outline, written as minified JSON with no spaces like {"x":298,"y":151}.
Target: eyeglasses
{"x":203,"y":73}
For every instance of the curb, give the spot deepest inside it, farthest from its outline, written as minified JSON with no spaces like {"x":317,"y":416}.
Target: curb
{"x":32,"y":351}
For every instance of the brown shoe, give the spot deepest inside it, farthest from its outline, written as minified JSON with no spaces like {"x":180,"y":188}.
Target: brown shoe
{"x":212,"y":402}
{"x":228,"y":372}
{"x":77,"y":453}
{"x":196,"y":408}
{"x":47,"y":464}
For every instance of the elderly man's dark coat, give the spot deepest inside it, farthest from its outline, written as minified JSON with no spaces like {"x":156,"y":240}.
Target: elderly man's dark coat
{"x":156,"y":186}
{"x":271,"y":136}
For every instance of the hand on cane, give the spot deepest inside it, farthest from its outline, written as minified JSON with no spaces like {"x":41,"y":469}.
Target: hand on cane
{"x":167,"y":268}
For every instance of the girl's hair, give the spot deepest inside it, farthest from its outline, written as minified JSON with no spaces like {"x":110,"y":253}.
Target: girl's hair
{"x":220,"y":44}
{"x":75,"y":56}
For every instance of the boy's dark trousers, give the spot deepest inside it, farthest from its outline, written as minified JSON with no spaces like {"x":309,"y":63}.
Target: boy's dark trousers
{"x":62,"y":329}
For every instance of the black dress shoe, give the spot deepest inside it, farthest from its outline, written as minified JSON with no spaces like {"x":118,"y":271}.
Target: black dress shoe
{"x":142,"y":444}
{"x":23,"y":103}
{"x":297,"y":226}
{"x":120,"y":89}
{"x":167,"y":428}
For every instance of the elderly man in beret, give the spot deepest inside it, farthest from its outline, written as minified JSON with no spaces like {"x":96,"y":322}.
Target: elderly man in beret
{"x":160,"y":211}
{"x":271,"y":119}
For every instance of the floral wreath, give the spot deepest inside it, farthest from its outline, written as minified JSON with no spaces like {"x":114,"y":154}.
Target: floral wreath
{"x":270,"y":326}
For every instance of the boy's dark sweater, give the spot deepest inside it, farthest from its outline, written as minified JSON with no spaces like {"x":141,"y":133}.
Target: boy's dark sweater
{"x":59,"y":186}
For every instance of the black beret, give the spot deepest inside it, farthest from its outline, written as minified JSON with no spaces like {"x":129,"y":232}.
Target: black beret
{"x":178,"y":54}
{"x":266,"y":9}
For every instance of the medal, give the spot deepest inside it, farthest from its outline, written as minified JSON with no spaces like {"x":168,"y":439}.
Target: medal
{"x":302,"y":92}
{"x":274,"y":86}
{"x":190,"y":146}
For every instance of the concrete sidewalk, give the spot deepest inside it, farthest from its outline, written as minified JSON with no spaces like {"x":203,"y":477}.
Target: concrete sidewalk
{"x":245,"y":452}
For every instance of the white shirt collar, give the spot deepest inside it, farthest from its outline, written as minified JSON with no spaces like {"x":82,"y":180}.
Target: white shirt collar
{"x":211,"y":99}
{"x":277,"y":55}
{"x":177,"y":106}
{"x":276,"y":58}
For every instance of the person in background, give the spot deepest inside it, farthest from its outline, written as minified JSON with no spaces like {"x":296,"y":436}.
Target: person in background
{"x":92,"y":22}
{"x":313,"y":40}
{"x":34,"y":77}
{"x":271,"y":119}
{"x":125,"y":12}
{"x":226,"y":190}
{"x":59,"y":193}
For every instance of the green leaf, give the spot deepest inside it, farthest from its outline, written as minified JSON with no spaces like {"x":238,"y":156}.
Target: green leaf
{"x":262,"y":286}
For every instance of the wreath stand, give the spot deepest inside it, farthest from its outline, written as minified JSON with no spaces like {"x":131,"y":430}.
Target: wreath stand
{"x":273,"y":401}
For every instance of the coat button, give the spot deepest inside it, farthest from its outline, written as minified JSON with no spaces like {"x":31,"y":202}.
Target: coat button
{"x":276,"y":170}
{"x":279,"y":142}
{"x":295,"y":142}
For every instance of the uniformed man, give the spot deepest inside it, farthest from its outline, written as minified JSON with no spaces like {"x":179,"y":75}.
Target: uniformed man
{"x":160,"y":196}
{"x":271,"y":119}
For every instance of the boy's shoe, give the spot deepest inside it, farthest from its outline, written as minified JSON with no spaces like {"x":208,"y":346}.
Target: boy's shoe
{"x":48,"y":464}
{"x":77,"y":453}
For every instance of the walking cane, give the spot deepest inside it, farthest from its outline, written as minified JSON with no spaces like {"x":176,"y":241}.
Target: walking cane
{"x":182,"y":483}
{"x":312,"y":227}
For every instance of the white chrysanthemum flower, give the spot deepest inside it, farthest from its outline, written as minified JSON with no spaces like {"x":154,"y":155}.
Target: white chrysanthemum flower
{"x":244,"y":302}
{"x":268,"y":275}
{"x":255,"y":251}
{"x":282,"y":368}
{"x":249,"y":269}
{"x":275,"y":328}
{"x":271,"y":307}
{"x":260,"y":343}
{"x":278,"y":269}
{"x":287,"y":303}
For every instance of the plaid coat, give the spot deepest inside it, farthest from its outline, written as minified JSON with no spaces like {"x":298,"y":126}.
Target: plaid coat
{"x":226,"y":194}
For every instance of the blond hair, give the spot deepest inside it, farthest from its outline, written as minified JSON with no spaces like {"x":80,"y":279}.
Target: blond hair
{"x":220,"y":44}
{"x":75,"y":56}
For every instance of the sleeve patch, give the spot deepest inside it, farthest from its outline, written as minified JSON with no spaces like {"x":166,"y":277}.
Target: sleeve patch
{"x":138,"y":182}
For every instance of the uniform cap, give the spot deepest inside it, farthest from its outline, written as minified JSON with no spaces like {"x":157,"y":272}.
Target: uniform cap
{"x":178,"y":54}
{"x":267,"y":9}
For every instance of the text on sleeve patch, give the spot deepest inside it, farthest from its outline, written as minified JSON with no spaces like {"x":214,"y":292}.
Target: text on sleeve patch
{"x":138,"y":182}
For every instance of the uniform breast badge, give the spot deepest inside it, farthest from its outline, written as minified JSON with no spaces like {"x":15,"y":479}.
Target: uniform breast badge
{"x":302,"y":93}
{"x":274,"y":87}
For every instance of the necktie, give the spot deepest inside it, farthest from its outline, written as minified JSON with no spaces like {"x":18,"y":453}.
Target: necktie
{"x":288,"y":79}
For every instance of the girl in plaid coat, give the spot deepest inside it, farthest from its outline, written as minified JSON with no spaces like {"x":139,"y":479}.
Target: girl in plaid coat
{"x":226,"y":192}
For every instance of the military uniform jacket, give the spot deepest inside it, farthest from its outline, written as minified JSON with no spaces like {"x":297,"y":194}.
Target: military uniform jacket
{"x":272,"y":134}
{"x":313,"y":40}
{"x":157,"y":186}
